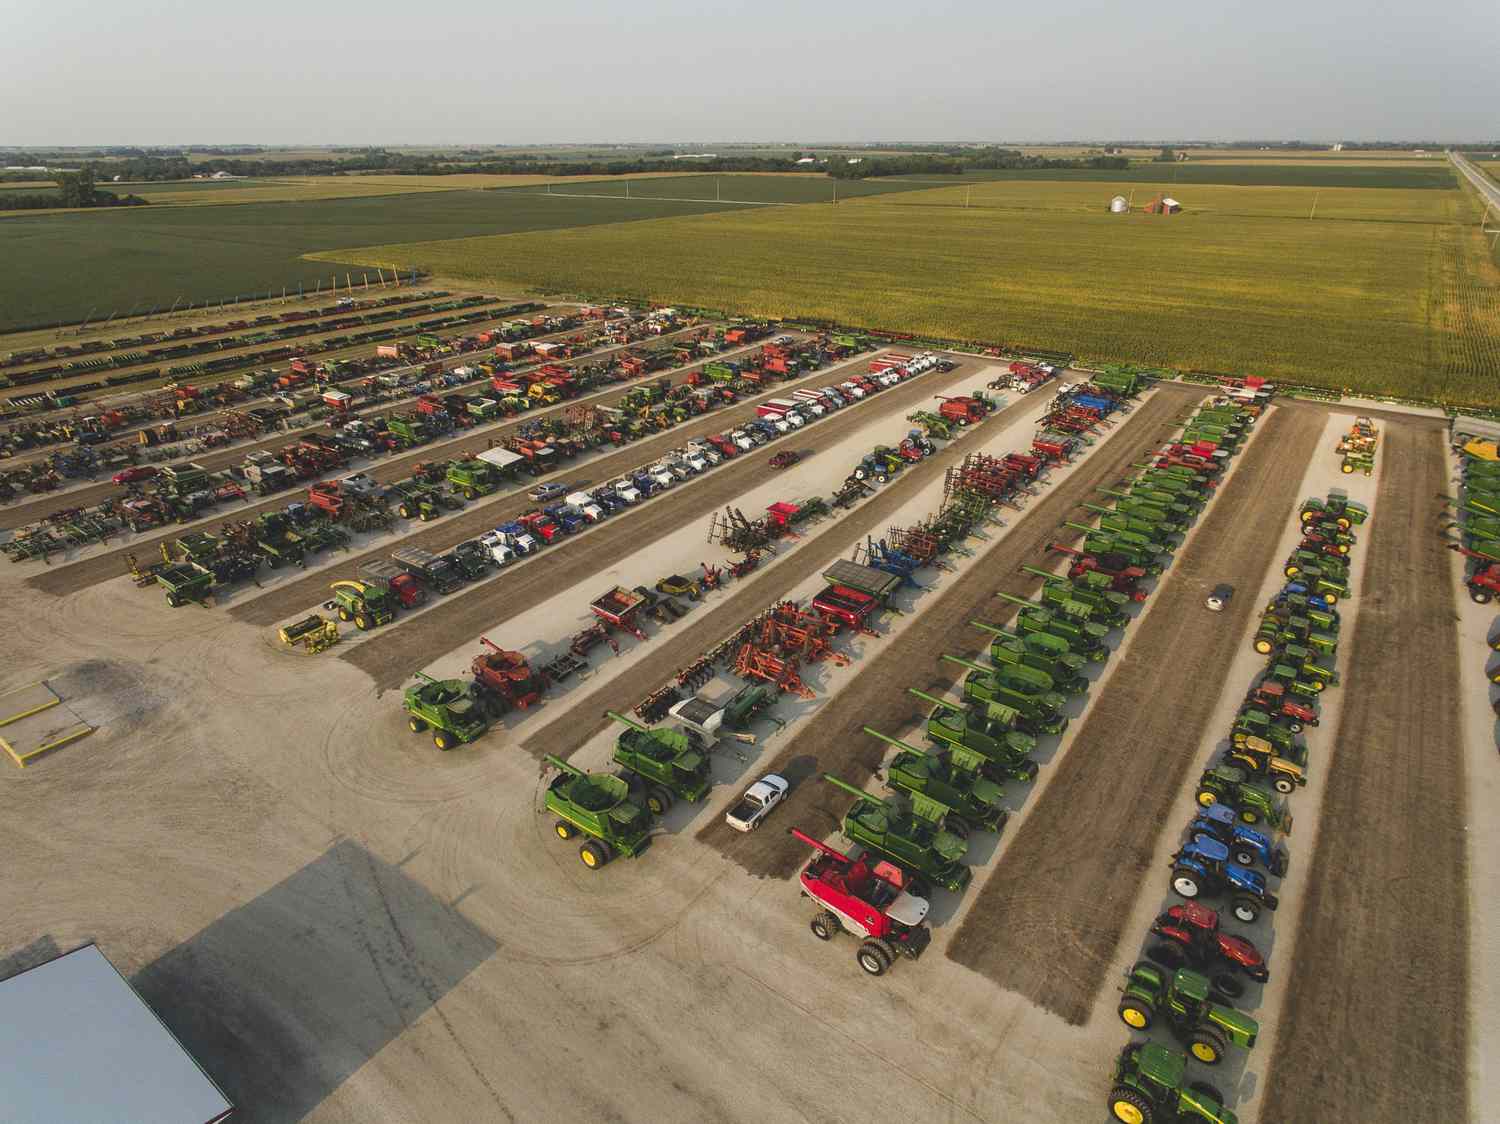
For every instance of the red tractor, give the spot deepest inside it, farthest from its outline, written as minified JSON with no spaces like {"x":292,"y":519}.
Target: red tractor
{"x":1191,"y":938}
{"x":1270,"y":696}
{"x":871,"y":902}
{"x":505,"y":679}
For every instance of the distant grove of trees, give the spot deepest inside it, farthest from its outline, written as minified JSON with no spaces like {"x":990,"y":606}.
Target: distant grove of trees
{"x":75,"y":189}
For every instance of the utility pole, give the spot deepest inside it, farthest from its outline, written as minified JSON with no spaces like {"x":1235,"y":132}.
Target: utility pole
{"x":1313,"y":213}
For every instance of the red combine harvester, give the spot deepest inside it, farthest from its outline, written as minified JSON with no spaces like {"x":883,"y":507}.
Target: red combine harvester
{"x":871,"y":902}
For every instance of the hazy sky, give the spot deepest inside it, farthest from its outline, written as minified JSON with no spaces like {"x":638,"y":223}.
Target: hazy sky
{"x":476,"y":71}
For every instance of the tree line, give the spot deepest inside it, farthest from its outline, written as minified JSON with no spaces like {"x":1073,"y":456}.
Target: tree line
{"x":75,"y":189}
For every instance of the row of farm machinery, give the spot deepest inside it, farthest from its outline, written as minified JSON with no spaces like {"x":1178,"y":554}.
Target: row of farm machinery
{"x":1192,"y":979}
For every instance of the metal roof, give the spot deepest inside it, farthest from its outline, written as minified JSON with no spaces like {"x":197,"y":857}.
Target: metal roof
{"x":81,"y":1045}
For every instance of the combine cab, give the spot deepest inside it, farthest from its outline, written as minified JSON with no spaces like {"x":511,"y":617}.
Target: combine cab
{"x":871,"y":901}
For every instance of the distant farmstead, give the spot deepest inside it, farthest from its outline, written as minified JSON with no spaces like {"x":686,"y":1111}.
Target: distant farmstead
{"x":1163,"y":205}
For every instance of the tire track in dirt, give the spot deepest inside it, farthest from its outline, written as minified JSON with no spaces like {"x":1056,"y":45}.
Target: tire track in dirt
{"x":1047,"y":921}
{"x":72,"y":577}
{"x":833,"y":740}
{"x":390,"y":656}
{"x":1375,"y":1021}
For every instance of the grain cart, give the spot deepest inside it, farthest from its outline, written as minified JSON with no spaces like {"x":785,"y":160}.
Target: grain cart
{"x":1183,"y":1001}
{"x":599,"y":806}
{"x":1023,"y":689}
{"x":1202,"y":868}
{"x":671,"y":765}
{"x":1150,"y":1086}
{"x":504,"y":679}
{"x":1254,"y":802}
{"x":364,"y":603}
{"x":618,"y":609}
{"x":958,"y":782}
{"x":1082,"y":636}
{"x":449,"y":706}
{"x":1247,"y":846}
{"x":184,"y":582}
{"x":874,"y":902}
{"x":992,"y":730}
{"x":1190,"y":936}
{"x":911,"y":833}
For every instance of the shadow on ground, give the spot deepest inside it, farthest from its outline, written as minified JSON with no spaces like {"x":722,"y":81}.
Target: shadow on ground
{"x":282,"y":999}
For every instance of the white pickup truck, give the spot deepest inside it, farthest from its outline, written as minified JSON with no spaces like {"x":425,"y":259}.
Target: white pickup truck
{"x":756,"y":804}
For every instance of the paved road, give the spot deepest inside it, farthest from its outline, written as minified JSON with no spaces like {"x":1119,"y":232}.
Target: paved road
{"x":1486,"y":186}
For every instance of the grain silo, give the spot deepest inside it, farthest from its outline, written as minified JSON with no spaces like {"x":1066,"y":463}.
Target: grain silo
{"x":1119,"y":205}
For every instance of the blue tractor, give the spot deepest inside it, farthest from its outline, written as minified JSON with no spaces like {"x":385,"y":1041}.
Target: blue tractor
{"x":1202,"y":868}
{"x":1247,"y":847}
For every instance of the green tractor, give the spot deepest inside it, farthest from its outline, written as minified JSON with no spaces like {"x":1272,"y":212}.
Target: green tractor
{"x":959,"y":782}
{"x":1043,"y":630}
{"x":993,"y":730}
{"x":1314,"y":562}
{"x":1298,"y":674}
{"x":1260,"y":758}
{"x":1338,"y":508}
{"x":1150,"y":1087}
{"x":1184,"y":1000}
{"x":914,"y":835}
{"x":1160,"y":507}
{"x":669,"y":763}
{"x":1105,"y":606}
{"x":1253,"y":802}
{"x":449,"y":707}
{"x":367,"y":605}
{"x":473,"y":478}
{"x":1279,"y":626}
{"x":596,"y":805}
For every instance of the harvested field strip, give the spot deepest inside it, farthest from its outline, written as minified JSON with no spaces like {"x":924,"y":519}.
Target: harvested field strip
{"x":390,"y":657}
{"x":1380,"y":982}
{"x":101,"y":567}
{"x":833,"y":741}
{"x":1048,"y":920}
{"x":564,"y":736}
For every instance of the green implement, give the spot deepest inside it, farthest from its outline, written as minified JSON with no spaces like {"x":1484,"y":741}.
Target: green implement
{"x":599,"y":806}
{"x":993,"y":730}
{"x":913,"y":835}
{"x":670,"y":765}
{"x":956,"y":779}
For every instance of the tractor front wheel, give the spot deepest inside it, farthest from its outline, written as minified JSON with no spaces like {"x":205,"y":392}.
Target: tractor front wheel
{"x":416,"y":725}
{"x":1229,"y":984}
{"x":1245,"y":909}
{"x":1292,"y":571}
{"x":564,"y":829}
{"x":444,"y":740}
{"x":1264,"y":646}
{"x":405,"y":510}
{"x":1295,"y":727}
{"x":825,"y":926}
{"x":1207,"y":797}
{"x":1185,"y":883}
{"x":1208,"y":1046}
{"x":1479,"y":596}
{"x":874,"y":957}
{"x":345,"y":615}
{"x":1249,"y":815}
{"x":1284,"y":785}
{"x":1135,"y":1014}
{"x":363,"y":622}
{"x":1130,"y":1106}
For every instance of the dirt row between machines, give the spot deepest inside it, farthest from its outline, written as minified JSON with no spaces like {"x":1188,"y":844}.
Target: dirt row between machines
{"x":833,"y":741}
{"x":1375,"y":1022}
{"x":392,"y":655}
{"x":1047,"y":921}
{"x":215,"y":460}
{"x":564,"y":736}
{"x":71,"y":577}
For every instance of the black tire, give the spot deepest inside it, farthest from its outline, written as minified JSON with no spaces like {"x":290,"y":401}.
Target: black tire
{"x":1207,"y":1046}
{"x":825,"y":926}
{"x":1284,"y":785}
{"x":443,"y":740}
{"x":1186,"y":883}
{"x":1479,"y":596}
{"x":405,"y":510}
{"x":363,"y":622}
{"x":1204,"y":1089}
{"x":1245,"y":909}
{"x":1027,"y":771}
{"x":415,"y":725}
{"x":564,"y":829}
{"x":659,"y":801}
{"x":345,"y":615}
{"x":273,"y":563}
{"x":1295,"y":727}
{"x":1244,"y":856}
{"x":1140,"y":1108}
{"x":174,"y":600}
{"x":1229,"y":984}
{"x":1135,"y":1014}
{"x":1168,"y":954}
{"x":592,"y":855}
{"x":957,"y":826}
{"x":873,"y":958}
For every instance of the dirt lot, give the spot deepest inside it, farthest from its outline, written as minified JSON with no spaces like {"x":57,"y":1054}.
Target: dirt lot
{"x":833,"y":741}
{"x":64,"y":579}
{"x":390,"y":656}
{"x":1375,"y":1022}
{"x":1047,"y":921}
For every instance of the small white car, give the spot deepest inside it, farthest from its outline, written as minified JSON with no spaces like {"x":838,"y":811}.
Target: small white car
{"x":1219,"y":597}
{"x":756,"y":804}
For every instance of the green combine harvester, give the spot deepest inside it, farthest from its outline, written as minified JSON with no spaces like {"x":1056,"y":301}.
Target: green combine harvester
{"x":914,"y":835}
{"x":668,"y":763}
{"x":449,"y":707}
{"x":956,"y":779}
{"x":596,"y":805}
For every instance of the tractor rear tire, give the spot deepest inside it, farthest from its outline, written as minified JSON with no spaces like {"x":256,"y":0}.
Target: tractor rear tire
{"x":825,"y":926}
{"x":416,"y":725}
{"x":956,"y":826}
{"x":1264,"y":646}
{"x":1167,"y":954}
{"x":1245,"y":909}
{"x":1207,"y":798}
{"x":1480,"y":596}
{"x":1130,"y":1106}
{"x":174,"y":600}
{"x":405,"y":510}
{"x":273,"y":563}
{"x":659,"y":801}
{"x":1135,"y":1014}
{"x":1228,"y":984}
{"x":363,"y":622}
{"x":1249,"y":815}
{"x":873,"y":957}
{"x":881,"y":478}
{"x":443,"y":740}
{"x":1208,"y":1046}
{"x":1027,"y":771}
{"x":1185,"y":883}
{"x":1204,"y":1089}
{"x":1292,"y":571}
{"x":345,"y":615}
{"x":564,"y":829}
{"x":1244,"y":856}
{"x":592,"y":855}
